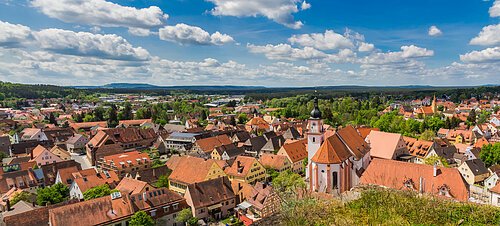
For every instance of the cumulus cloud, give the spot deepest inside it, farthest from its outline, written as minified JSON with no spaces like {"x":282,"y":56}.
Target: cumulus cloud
{"x":495,"y":9}
{"x":327,"y":41}
{"x":434,"y":31}
{"x":483,"y":56}
{"x":139,"y":31}
{"x":490,"y":35}
{"x":286,"y":52}
{"x":109,"y":46}
{"x":186,"y":34}
{"x":365,"y":47}
{"x":13,"y":34}
{"x":101,"y":13}
{"x":407,"y":53}
{"x":279,"y":11}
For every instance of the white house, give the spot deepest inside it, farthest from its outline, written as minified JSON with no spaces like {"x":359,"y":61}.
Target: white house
{"x":33,"y":134}
{"x":495,"y":195}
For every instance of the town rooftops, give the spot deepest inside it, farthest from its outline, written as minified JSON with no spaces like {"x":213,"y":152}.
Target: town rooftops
{"x":418,"y":177}
{"x":477,"y":167}
{"x":383,"y":144}
{"x":296,"y":150}
{"x":210,"y":192}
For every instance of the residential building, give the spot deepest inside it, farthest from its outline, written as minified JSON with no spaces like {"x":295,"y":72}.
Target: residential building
{"x":33,"y":134}
{"x":227,"y":152}
{"x":76,"y":143}
{"x":82,"y":183}
{"x":188,"y":170}
{"x":205,"y":146}
{"x":387,"y":145}
{"x":279,"y":163}
{"x":42,"y":156}
{"x":474,"y":171}
{"x":296,"y":152}
{"x":125,"y":163}
{"x":132,"y":186}
{"x":246,"y":169}
{"x":211,"y":199}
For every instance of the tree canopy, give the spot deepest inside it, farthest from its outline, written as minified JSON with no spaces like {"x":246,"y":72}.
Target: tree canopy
{"x":52,"y":195}
{"x":97,"y":192}
{"x":141,"y":218}
{"x":490,"y":154}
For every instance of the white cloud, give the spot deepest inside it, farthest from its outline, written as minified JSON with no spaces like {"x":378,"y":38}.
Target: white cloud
{"x":139,"y":31}
{"x":279,"y":11}
{"x":495,"y":9}
{"x":186,"y":34}
{"x":108,"y":46}
{"x":407,"y":53}
{"x":13,"y":34}
{"x":101,"y":13}
{"x":365,"y":47}
{"x":434,"y":31}
{"x":483,"y":56}
{"x":305,"y":5}
{"x":287,"y":52}
{"x":490,"y":35}
{"x":328,"y":40}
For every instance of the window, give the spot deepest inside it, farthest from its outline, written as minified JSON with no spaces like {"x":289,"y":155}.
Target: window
{"x":335,"y":180}
{"x":314,"y":139}
{"x":175,"y":206}
{"x":165,"y":208}
{"x":153,"y":213}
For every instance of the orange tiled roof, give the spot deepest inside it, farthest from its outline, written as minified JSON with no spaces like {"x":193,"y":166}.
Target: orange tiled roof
{"x":190,"y":169}
{"x":273,"y":161}
{"x":208,"y":144}
{"x":244,"y":162}
{"x":406,"y":176}
{"x":127,"y":158}
{"x":296,"y":150}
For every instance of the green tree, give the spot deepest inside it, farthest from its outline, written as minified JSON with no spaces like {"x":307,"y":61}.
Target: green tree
{"x":126,"y":113}
{"x":24,"y":195}
{"x":162,"y":182}
{"x":427,"y":135}
{"x":52,"y":195}
{"x":288,"y":183}
{"x":112,"y":117}
{"x":186,"y":216}
{"x":431,"y":160}
{"x":52,"y":118}
{"x":97,"y":192}
{"x":242,"y":118}
{"x":490,"y":154}
{"x":472,"y":117}
{"x":141,"y":218}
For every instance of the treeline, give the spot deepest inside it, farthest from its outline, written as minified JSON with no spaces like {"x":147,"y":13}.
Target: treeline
{"x":16,"y":90}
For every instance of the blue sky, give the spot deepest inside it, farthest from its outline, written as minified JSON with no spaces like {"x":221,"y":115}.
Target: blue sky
{"x":241,"y":42}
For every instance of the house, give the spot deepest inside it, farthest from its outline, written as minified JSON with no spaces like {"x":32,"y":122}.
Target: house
{"x":42,"y":156}
{"x":421,"y":178}
{"x":257,"y":124}
{"x":296,"y":152}
{"x":86,"y":127}
{"x":461,"y":136}
{"x":246,"y":169}
{"x":58,"y":135}
{"x":474,"y":171}
{"x":150,"y":175}
{"x":292,"y":134}
{"x":387,"y":145}
{"x":418,"y":148}
{"x":50,"y":170}
{"x":125,"y":163}
{"x":116,"y":209}
{"x":67,"y":175}
{"x":25,"y":147}
{"x":33,"y":134}
{"x":37,"y":216}
{"x":254,"y":145}
{"x":472,"y":153}
{"x":171,"y":128}
{"x":205,"y":146}
{"x":188,"y":170}
{"x":261,"y":203}
{"x":101,"y":145}
{"x":211,"y":199}
{"x":132,"y":186}
{"x":26,"y":179}
{"x":5,"y":145}
{"x":272,"y":145}
{"x":76,"y":143}
{"x":82,"y":183}
{"x":135,"y":123}
{"x":61,"y":153}
{"x":227,"y":152}
{"x":443,"y":152}
{"x":180,"y":142}
{"x":279,"y":163}
{"x":240,"y":136}
{"x":495,"y":195}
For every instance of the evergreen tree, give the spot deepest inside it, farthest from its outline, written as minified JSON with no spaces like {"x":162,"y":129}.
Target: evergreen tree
{"x":112,"y":117}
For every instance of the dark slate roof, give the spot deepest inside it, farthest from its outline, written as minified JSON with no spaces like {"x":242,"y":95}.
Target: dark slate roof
{"x":446,"y":152}
{"x":477,"y":166}
{"x":274,"y":143}
{"x":242,"y":136}
{"x":25,"y":147}
{"x":231,"y":150}
{"x":5,"y":144}
{"x":269,"y":135}
{"x":255,"y":144}
{"x":291,"y":133}
{"x":151,"y":175}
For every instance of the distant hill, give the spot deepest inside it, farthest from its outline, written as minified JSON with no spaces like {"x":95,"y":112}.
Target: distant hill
{"x":145,"y":86}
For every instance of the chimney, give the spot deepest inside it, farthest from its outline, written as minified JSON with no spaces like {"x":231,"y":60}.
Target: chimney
{"x":145,"y":196}
{"x":7,"y":201}
{"x":435,"y":170}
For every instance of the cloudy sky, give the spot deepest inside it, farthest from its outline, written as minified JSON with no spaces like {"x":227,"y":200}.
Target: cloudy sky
{"x":257,"y":42}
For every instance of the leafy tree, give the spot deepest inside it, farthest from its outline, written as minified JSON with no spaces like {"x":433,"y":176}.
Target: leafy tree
{"x":112,"y":117}
{"x":431,"y":160}
{"x":490,"y":154}
{"x":186,"y":216}
{"x":162,"y":182}
{"x":141,"y":218}
{"x":472,"y":117}
{"x":52,"y":118}
{"x":24,"y":195}
{"x":427,"y":135}
{"x":242,"y":118}
{"x":97,"y":192}
{"x":272,"y":173}
{"x":126,"y":113}
{"x":288,"y":183}
{"x":52,"y":195}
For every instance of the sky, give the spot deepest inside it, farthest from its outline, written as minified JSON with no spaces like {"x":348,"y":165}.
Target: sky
{"x":273,"y":43}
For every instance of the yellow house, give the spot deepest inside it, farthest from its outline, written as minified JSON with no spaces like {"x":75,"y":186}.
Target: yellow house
{"x":188,"y":170}
{"x":246,"y":169}
{"x":216,"y":155}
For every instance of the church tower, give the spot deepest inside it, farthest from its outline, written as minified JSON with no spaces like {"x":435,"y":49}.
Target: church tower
{"x":433,"y":105}
{"x":314,"y":134}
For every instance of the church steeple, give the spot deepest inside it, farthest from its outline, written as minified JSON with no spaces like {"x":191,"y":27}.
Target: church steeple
{"x":433,"y":105}
{"x":315,"y":113}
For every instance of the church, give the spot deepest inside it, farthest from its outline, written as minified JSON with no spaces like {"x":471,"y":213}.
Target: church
{"x":336,"y":162}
